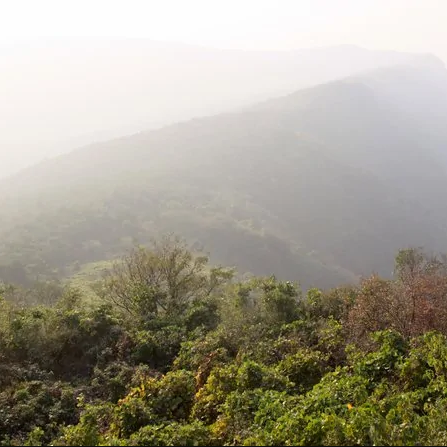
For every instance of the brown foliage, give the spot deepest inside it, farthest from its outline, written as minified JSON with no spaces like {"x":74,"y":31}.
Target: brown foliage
{"x":414,"y":303}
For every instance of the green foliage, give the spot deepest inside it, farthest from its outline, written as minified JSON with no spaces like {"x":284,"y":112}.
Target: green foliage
{"x":173,"y":434}
{"x":66,"y":342}
{"x":222,"y":381}
{"x":88,"y":431}
{"x":252,"y":363}
{"x":280,"y":300}
{"x":36,"y":407}
{"x":381,"y":363}
{"x":304,"y":368}
{"x":165,"y":279}
{"x":155,"y":401}
{"x":112,"y":382}
{"x":158,"y":348}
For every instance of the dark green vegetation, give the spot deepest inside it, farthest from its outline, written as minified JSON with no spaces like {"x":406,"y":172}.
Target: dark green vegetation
{"x":180,"y":353}
{"x":323,"y":185}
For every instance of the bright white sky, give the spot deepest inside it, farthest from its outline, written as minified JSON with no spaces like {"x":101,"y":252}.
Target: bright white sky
{"x":404,"y":25}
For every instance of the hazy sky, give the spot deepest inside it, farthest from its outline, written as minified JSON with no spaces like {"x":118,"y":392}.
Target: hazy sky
{"x":404,"y":25}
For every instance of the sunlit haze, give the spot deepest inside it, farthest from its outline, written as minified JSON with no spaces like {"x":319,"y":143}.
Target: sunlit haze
{"x":404,"y":25}
{"x":69,"y":77}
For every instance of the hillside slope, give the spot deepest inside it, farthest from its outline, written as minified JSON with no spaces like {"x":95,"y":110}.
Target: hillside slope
{"x":320,"y":186}
{"x":58,"y":94}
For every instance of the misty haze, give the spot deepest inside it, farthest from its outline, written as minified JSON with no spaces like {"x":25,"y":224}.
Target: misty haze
{"x":58,"y":94}
{"x":209,"y":240}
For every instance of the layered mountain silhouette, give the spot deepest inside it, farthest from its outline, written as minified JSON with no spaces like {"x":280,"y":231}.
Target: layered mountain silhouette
{"x":321,"y":185}
{"x":58,"y":94}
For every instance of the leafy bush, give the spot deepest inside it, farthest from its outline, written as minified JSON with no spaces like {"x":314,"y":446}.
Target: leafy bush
{"x":252,"y":363}
{"x":173,"y":434}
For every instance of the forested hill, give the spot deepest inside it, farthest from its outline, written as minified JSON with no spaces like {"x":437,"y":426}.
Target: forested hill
{"x":58,"y":94}
{"x":320,"y":186}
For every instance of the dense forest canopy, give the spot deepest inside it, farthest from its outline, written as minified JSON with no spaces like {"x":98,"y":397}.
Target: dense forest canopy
{"x":178,"y":352}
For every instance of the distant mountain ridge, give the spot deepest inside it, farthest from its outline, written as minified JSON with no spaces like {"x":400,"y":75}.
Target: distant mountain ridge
{"x":321,"y":185}
{"x":58,"y":94}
